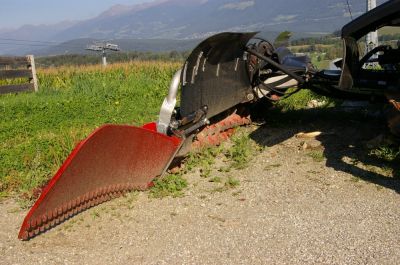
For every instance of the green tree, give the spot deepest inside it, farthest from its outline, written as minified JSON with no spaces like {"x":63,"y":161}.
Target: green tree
{"x":283,"y":39}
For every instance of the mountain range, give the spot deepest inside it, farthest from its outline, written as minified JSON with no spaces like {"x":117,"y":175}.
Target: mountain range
{"x":191,"y":19}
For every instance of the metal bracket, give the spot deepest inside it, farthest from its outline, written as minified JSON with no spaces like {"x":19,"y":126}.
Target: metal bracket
{"x":168,"y":105}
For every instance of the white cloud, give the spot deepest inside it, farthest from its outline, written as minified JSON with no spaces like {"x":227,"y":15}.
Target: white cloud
{"x":239,"y":5}
{"x":338,"y":5}
{"x":285,"y":18}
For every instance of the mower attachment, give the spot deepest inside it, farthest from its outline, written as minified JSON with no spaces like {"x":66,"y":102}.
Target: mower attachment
{"x":111,"y":161}
{"x":215,"y":75}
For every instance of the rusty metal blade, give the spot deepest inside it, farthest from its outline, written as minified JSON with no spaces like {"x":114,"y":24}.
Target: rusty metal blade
{"x":112,"y":160}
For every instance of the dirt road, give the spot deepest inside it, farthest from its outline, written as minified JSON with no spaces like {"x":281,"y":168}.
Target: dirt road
{"x":300,"y":201}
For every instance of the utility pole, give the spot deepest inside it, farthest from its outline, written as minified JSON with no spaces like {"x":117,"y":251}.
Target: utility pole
{"x":372,"y":40}
{"x":103,"y":47}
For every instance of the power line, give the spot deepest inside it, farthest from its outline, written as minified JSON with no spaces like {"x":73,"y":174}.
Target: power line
{"x":17,"y":42}
{"x":37,"y":44}
{"x":35,"y":41}
{"x":26,"y":44}
{"x":349,"y":7}
{"x":20,"y":44}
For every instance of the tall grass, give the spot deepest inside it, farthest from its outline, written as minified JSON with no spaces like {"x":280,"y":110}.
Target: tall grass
{"x":38,"y":130}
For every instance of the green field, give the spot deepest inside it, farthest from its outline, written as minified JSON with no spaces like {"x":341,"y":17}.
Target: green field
{"x":38,"y":130}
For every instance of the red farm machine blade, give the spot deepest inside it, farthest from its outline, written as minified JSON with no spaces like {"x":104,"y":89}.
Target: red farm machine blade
{"x":111,"y":161}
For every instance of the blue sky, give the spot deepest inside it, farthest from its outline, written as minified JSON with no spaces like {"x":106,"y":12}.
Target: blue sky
{"x":14,"y":13}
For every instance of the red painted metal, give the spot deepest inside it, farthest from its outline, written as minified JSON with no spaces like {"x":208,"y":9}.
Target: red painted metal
{"x":219,"y":132}
{"x":112,"y":160}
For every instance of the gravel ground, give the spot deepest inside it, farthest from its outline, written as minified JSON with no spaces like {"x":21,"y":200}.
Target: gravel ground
{"x":291,"y":207}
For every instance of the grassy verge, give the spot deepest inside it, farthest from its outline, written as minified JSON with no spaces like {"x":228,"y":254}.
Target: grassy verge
{"x":38,"y":130}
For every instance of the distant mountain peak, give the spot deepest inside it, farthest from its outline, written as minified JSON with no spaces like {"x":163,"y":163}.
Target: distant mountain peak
{"x":117,"y":10}
{"x":193,"y":19}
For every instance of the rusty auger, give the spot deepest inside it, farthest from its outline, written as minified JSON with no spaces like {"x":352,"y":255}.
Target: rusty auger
{"x":219,"y":132}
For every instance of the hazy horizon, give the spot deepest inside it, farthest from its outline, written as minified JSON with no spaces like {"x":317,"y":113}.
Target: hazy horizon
{"x":14,"y":14}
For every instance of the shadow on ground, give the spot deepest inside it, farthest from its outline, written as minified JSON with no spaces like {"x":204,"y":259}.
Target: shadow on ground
{"x":344,"y":143}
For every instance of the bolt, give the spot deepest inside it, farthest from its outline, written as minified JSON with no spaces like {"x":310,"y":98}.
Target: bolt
{"x":250,"y":97}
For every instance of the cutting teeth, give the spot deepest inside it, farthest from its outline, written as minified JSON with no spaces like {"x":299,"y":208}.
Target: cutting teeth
{"x":44,"y":218}
{"x":33,"y":224}
{"x":38,"y":222}
{"x":73,"y":207}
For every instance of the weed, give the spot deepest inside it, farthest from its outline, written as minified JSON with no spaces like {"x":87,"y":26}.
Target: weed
{"x":216,"y":180}
{"x":236,"y":193}
{"x":219,"y":189}
{"x":354,"y":161}
{"x":204,"y":160}
{"x":95,"y":215}
{"x":131,"y":197}
{"x":355,"y":179}
{"x":386,"y":153}
{"x":24,"y":203}
{"x":231,"y":182}
{"x":241,"y":152}
{"x":302,"y":98}
{"x":269,"y":167}
{"x":317,"y":155}
{"x":68,"y":227}
{"x":205,"y":172}
{"x":170,"y":185}
{"x":225,"y":169}
{"x":14,"y":210}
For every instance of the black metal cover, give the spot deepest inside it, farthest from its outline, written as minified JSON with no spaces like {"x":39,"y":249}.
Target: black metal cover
{"x":386,"y":14}
{"x":215,"y":74}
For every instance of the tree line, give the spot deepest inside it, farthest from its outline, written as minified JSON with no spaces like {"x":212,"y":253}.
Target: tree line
{"x":114,"y":57}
